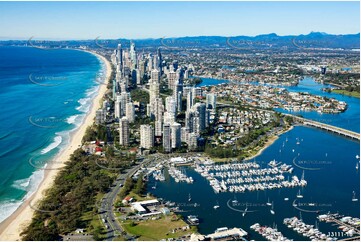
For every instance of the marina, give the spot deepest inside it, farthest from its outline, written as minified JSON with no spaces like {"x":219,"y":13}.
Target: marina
{"x":249,"y":176}
{"x":271,"y":234}
{"x":306,"y":230}
{"x":178,"y":175}
{"x":243,"y":209}
{"x":347,"y":224}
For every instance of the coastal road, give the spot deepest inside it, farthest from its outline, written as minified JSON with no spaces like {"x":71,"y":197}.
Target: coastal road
{"x":106,"y":208}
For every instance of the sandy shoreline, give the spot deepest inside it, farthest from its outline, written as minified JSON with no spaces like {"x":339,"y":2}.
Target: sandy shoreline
{"x":269,"y":142}
{"x":11,"y":227}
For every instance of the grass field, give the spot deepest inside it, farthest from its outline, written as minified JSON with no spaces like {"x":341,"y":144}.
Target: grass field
{"x":157,"y":229}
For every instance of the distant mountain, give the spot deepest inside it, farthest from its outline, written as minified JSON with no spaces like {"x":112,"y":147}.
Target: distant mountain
{"x":311,"y":40}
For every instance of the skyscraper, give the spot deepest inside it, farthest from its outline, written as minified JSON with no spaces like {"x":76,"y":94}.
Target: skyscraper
{"x":155,"y":75}
{"x":189,"y":100}
{"x":171,"y":105}
{"x":120,"y":56}
{"x":160,"y":62}
{"x":153,"y":91}
{"x":117,"y":107}
{"x":146,"y":136}
{"x":130,"y":112}
{"x":211,"y":100}
{"x":167,"y":138}
{"x":124,"y":99}
{"x":100,"y":116}
{"x":200,"y":109}
{"x":158,"y":128}
{"x":176,"y":135}
{"x":172,"y":79}
{"x":133,"y":55}
{"x":124,"y":131}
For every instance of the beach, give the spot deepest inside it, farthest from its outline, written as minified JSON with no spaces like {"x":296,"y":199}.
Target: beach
{"x":269,"y":142}
{"x":11,"y":227}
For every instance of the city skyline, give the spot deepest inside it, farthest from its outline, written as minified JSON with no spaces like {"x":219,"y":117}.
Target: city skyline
{"x":142,"y":20}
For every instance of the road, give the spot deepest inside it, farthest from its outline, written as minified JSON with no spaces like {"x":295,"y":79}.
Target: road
{"x":106,"y":208}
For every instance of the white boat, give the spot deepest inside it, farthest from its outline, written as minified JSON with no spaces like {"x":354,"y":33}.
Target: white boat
{"x":235,"y":201}
{"x":268,"y":203}
{"x":245,"y":211}
{"x":272,"y":211}
{"x":357,"y":166}
{"x":155,"y":186}
{"x":286,"y":199}
{"x":357,"y":157}
{"x":193,"y":219}
{"x":299,"y":195}
{"x":354,"y":199}
{"x":189,"y":197}
{"x":216,"y":206}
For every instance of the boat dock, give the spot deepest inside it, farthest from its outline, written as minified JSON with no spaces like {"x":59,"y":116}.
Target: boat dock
{"x":248,"y":176}
{"x":269,"y":233}
{"x":348,"y":225}
{"x":306,"y":230}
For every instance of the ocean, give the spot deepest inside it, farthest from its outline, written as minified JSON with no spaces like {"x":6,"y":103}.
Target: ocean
{"x":45,"y":96}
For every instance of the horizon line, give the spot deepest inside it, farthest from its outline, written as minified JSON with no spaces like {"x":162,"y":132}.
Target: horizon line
{"x":4,"y":38}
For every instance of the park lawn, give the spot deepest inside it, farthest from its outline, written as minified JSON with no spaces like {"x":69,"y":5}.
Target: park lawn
{"x":139,"y":198}
{"x":347,"y":93}
{"x":157,"y":229}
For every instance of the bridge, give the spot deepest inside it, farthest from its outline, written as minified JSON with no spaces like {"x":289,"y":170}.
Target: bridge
{"x":327,"y":127}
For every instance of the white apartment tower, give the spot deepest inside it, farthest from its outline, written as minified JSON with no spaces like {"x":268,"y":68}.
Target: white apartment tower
{"x":146,"y":136}
{"x":130,"y":112}
{"x":211,"y":101}
{"x":176,"y":135}
{"x":124,"y":131}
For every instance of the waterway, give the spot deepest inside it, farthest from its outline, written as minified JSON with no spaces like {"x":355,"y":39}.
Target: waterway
{"x":327,"y":160}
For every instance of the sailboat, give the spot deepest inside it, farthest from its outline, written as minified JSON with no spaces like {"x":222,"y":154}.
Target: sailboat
{"x":245,"y":211}
{"x":272,"y":211}
{"x":216,"y":206}
{"x":354,"y":199}
{"x":155,"y":186}
{"x":235,"y":201}
{"x":268,"y":203}
{"x":189,"y":197}
{"x":299,"y":195}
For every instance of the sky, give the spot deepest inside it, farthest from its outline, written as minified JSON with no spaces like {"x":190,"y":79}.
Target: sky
{"x":137,"y":20}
